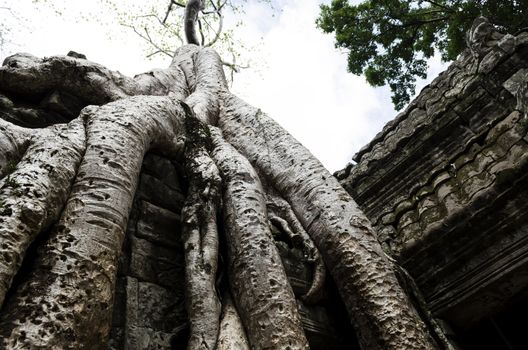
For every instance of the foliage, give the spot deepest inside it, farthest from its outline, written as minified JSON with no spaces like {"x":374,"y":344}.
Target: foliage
{"x":389,"y":41}
{"x":159,"y":24}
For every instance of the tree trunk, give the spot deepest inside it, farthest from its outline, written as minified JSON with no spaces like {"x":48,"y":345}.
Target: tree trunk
{"x":68,"y":189}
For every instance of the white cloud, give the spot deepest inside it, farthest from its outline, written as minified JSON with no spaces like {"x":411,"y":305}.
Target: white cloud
{"x":42,"y":32}
{"x":307,"y":90}
{"x":300,"y":80}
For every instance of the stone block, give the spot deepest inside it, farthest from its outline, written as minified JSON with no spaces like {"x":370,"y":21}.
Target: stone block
{"x":157,"y":192}
{"x":162,"y":169}
{"x":154,"y":263}
{"x":153,"y":313}
{"x":158,"y":225}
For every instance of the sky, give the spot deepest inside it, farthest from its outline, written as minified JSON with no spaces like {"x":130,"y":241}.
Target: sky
{"x":297,"y":76}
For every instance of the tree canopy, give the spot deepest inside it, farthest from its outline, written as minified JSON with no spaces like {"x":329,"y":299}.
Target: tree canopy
{"x":389,"y":41}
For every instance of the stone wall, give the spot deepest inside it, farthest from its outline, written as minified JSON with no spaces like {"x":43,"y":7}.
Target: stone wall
{"x":149,"y":309}
{"x":445,"y":182}
{"x":149,"y":306}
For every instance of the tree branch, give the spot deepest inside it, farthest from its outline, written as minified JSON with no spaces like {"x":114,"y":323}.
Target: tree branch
{"x":191,"y":17}
{"x":434,"y":3}
{"x":90,"y":82}
{"x":169,"y":9}
{"x":218,"y":31}
{"x":148,"y":39}
{"x":202,"y":37}
{"x":422,"y":22}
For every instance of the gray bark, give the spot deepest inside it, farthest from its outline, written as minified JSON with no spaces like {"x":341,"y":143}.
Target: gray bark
{"x":365,"y":279}
{"x":33,"y":194}
{"x":282,"y":215}
{"x":209,"y":84}
{"x":65,"y":300}
{"x":14,"y":141}
{"x":192,"y":9}
{"x":258,"y":282}
{"x":28,"y":75}
{"x":232,"y":335}
{"x":200,"y":236}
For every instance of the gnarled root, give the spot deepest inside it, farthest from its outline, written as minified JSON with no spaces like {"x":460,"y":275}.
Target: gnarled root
{"x":283,"y":217}
{"x":33,"y":193}
{"x":262,"y":293}
{"x":232,"y":335}
{"x":74,"y":272}
{"x":200,"y":236}
{"x":377,"y":305}
{"x":14,"y":141}
{"x":64,"y":300}
{"x":92,"y":83}
{"x":210,"y":83}
{"x":412,"y":289}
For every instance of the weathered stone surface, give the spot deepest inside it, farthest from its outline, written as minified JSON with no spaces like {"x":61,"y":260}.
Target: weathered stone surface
{"x":154,"y":263}
{"x":156,"y":191}
{"x":164,"y":170}
{"x":158,"y":225}
{"x":445,"y":182}
{"x":149,"y":311}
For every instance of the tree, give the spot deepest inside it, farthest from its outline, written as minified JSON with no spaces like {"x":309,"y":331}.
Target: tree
{"x":159,"y":25}
{"x":70,"y":186}
{"x":389,"y":41}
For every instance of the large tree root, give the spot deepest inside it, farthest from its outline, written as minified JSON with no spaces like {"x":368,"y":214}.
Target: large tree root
{"x":14,"y":141}
{"x":184,"y":58}
{"x":200,"y":236}
{"x":75,"y":269}
{"x":33,"y":194}
{"x":210,"y":82}
{"x":95,"y":84}
{"x":349,"y":246}
{"x":64,"y":300}
{"x":282,"y":216}
{"x":232,"y":335}
{"x":57,"y":107}
{"x":408,"y":283}
{"x":259,"y":284}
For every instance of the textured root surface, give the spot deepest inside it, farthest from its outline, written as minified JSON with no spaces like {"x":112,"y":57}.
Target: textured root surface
{"x":282,"y":215}
{"x":75,"y":269}
{"x":33,"y":194}
{"x":95,"y":84}
{"x":210,"y":83}
{"x":259,"y":284}
{"x":200,"y":237}
{"x":64,"y":300}
{"x":232,"y":335}
{"x":366,"y":282}
{"x":14,"y":141}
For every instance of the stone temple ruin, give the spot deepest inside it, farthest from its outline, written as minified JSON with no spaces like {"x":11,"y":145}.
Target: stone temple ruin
{"x":444,"y":184}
